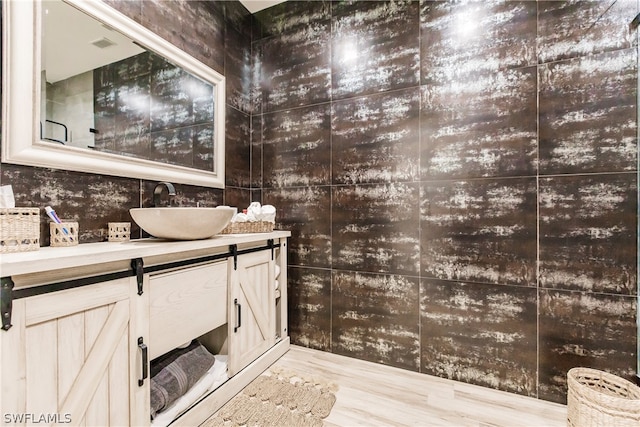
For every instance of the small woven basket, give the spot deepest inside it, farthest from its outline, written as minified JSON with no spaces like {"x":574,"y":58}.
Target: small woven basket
{"x":119,"y":231}
{"x":64,"y":234}
{"x":597,"y":398}
{"x":19,"y":229}
{"x":248,"y":227}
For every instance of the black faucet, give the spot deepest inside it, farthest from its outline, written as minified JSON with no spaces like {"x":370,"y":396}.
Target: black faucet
{"x":157,"y":193}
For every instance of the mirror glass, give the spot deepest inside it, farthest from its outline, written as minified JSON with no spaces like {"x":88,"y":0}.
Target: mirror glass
{"x":111,"y":97}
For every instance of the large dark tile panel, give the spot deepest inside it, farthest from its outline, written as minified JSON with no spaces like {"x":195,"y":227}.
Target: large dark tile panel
{"x":569,"y":29}
{"x":375,"y":228}
{"x":584,"y":329}
{"x":186,"y":195}
{"x":237,"y":70}
{"x":588,"y":233}
{"x":374,"y":47}
{"x":375,"y":317}
{"x":481,"y":124}
{"x":306,"y":212}
{"x":257,"y":73}
{"x":172,"y":102}
{"x":294,"y":68}
{"x":480,"y":231}
{"x":197,"y":27}
{"x":148,"y":108}
{"x":480,"y":334}
{"x":171,"y":146}
{"x":588,"y":113}
{"x":236,"y":16}
{"x":465,"y":37}
{"x":238,"y":149}
{"x":130,"y":8}
{"x":309,"y":309}
{"x":203,"y":146}
{"x":132,"y":125}
{"x":92,"y":200}
{"x":297,"y":147}
{"x":290,"y":16}
{"x":104,"y":108}
{"x":375,"y":138}
{"x":256,"y":196}
{"x":237,"y":197}
{"x":256,"y":151}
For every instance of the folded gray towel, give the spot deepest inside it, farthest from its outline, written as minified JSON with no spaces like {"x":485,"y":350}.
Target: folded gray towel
{"x":174,"y":373}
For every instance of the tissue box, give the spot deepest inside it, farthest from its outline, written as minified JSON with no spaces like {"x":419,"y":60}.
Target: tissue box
{"x":19,"y":229}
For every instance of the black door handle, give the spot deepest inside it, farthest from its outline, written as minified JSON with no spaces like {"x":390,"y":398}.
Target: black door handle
{"x":238,"y":314}
{"x":145,"y":361}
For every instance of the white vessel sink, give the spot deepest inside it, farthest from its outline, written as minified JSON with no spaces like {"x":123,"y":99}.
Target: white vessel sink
{"x":182,"y":223}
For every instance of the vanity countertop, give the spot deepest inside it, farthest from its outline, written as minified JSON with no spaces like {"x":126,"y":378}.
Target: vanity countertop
{"x":120,"y":253}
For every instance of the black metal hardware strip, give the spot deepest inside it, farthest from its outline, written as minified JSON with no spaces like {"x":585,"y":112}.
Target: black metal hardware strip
{"x":258,"y":249}
{"x":136,"y":270}
{"x":6,"y":302}
{"x":233,"y":249}
{"x":185,"y":263}
{"x":69,"y":284}
{"x":270,"y":244}
{"x":137,"y":265}
{"x":7,"y":294}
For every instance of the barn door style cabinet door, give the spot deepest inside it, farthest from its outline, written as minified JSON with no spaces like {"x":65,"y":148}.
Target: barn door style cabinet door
{"x":67,"y":359}
{"x":252,"y":308}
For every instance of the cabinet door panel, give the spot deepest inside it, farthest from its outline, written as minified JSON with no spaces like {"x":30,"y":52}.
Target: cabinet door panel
{"x":70,"y":332}
{"x":97,"y":411}
{"x":117,"y":384}
{"x":78,"y":362}
{"x":42,"y":368}
{"x":251,"y":304}
{"x":54,"y":305}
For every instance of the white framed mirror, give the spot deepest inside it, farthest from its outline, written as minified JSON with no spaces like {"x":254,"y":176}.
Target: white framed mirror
{"x":149,"y":111}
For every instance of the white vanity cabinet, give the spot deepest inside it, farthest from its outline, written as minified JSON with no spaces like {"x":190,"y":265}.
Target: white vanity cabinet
{"x":86,"y":321}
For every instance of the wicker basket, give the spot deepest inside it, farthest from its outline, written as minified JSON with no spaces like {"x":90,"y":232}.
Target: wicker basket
{"x":597,"y":398}
{"x":19,"y":229}
{"x":119,"y":231}
{"x":248,"y":227}
{"x":64,"y":234}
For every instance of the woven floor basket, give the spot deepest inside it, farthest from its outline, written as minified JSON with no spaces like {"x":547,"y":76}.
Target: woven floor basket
{"x":597,"y":398}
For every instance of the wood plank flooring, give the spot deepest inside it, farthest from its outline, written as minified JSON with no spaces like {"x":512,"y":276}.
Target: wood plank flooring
{"x":375,"y":395}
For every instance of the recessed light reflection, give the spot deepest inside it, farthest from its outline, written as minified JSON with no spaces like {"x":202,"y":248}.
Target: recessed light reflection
{"x":467,"y":24}
{"x":348,"y":53}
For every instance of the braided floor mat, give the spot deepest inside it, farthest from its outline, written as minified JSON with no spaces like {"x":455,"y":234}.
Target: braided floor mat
{"x":278,"y":398}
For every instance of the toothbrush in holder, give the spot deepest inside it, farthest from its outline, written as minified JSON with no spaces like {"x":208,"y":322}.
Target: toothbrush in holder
{"x":54,"y":217}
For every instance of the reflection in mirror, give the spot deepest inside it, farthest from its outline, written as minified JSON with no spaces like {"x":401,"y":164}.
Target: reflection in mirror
{"x":105,"y":95}
{"x":100,"y":90}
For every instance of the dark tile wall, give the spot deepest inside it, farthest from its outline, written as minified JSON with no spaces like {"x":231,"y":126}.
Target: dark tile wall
{"x":460,"y":180}
{"x":149,"y":108}
{"x":219,"y":35}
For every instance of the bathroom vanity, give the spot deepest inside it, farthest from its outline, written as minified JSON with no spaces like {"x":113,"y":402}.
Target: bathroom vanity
{"x":81,"y":324}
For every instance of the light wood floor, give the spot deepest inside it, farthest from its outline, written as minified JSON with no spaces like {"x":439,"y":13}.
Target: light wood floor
{"x":375,"y":395}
